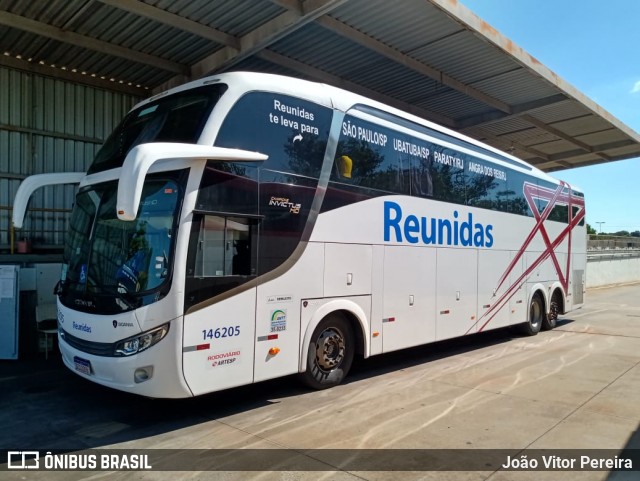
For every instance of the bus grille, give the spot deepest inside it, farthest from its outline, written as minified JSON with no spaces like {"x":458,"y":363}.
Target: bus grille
{"x":90,"y":347}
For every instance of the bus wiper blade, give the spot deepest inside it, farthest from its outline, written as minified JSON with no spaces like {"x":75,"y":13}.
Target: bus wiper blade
{"x":123,"y":297}
{"x":121,"y":294}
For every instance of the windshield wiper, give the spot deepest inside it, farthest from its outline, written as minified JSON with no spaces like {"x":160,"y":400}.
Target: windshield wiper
{"x":130,"y":300}
{"x":123,"y":297}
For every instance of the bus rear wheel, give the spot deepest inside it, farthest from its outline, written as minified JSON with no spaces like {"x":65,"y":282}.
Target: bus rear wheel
{"x":536,"y":314}
{"x":330,"y":353}
{"x":550,"y":321}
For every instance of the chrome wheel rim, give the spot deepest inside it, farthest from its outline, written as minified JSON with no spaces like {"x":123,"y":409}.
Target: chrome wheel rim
{"x":535,"y":314}
{"x":330,"y":349}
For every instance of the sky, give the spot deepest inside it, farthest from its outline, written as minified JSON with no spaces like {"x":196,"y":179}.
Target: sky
{"x":593,"y":45}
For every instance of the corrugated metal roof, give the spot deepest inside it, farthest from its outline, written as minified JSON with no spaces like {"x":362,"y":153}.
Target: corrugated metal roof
{"x":465,"y":59}
{"x":432,"y":57}
{"x":516,"y":87}
{"x":578,"y":126}
{"x":563,"y":111}
{"x":406,"y":33}
{"x":236,"y":18}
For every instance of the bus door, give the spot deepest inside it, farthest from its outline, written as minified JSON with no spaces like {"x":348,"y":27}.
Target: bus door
{"x":222,"y":261}
{"x":218,"y":336}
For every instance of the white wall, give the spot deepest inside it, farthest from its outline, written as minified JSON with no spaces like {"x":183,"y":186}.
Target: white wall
{"x":610,"y":269}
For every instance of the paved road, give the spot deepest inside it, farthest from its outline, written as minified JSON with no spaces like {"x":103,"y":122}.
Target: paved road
{"x":574,"y":388}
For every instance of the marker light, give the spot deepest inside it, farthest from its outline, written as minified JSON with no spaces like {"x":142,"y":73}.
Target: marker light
{"x":273,"y":351}
{"x":139,"y":343}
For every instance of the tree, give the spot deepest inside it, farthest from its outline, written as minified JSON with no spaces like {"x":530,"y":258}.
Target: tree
{"x":590,"y":230}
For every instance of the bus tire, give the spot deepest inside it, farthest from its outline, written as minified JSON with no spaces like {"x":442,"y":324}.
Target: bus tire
{"x":550,"y":320}
{"x":536,"y":315}
{"x":330,"y":353}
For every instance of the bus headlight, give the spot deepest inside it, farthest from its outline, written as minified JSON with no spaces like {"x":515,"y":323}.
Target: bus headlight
{"x":143,"y":341}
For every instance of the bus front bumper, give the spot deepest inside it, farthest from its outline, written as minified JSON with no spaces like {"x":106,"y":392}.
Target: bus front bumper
{"x":155,"y":372}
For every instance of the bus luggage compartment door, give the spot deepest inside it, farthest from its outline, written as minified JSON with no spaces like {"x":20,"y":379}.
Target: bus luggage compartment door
{"x":457,"y":288}
{"x":408,"y":297}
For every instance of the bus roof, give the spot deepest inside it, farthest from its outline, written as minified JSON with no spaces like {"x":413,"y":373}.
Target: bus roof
{"x":343,"y":100}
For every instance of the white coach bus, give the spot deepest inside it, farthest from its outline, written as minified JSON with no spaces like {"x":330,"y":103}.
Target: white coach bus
{"x":248,"y":226}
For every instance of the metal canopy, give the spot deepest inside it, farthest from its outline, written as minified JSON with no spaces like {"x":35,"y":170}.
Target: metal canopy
{"x":433,"y":58}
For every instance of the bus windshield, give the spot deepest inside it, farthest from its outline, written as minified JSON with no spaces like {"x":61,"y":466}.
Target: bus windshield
{"x":118,"y":265}
{"x":179,"y":117}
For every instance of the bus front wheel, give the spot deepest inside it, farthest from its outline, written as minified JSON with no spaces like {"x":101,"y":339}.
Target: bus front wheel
{"x":536,"y":314}
{"x":330,"y":353}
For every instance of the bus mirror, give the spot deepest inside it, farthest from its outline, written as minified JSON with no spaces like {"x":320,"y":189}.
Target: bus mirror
{"x":140,"y":159}
{"x":346,"y":165}
{"x":33,"y":182}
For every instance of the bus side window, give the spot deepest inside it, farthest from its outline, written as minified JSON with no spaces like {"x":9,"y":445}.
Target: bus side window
{"x":225,"y":247}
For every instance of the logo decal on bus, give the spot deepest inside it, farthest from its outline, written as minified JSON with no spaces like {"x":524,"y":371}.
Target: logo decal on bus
{"x":121,"y":324}
{"x":414,"y":229}
{"x":81,"y":327}
{"x":278,"y":320}
{"x":224,"y":358}
{"x":279,"y":298}
{"x":286,"y":203}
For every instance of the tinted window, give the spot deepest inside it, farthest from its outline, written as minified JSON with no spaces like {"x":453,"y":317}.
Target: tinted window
{"x":117,"y":265}
{"x":367,"y":165}
{"x":175,"y":118}
{"x":559,"y":212}
{"x":225,"y":246}
{"x":229,"y":187}
{"x":252,"y":215}
{"x":285,"y":203}
{"x":516,"y":203}
{"x":365,"y":158}
{"x":448,"y":172}
{"x":222,"y":255}
{"x":436,"y":134}
{"x":486,"y":185}
{"x":372,"y":160}
{"x":575,"y":210}
{"x":291,"y":131}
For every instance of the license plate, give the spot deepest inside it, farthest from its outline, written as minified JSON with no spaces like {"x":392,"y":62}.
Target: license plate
{"x":82,"y":365}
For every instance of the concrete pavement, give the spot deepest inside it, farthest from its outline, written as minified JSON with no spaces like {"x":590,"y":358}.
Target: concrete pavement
{"x":576,"y":387}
